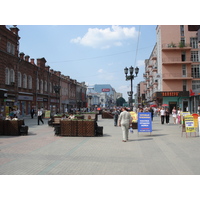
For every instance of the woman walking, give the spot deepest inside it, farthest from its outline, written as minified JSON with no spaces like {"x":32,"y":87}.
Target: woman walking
{"x":124,"y":121}
{"x":162,"y":115}
{"x":174,"y":114}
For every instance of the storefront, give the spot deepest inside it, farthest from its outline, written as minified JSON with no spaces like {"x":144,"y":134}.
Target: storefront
{"x":178,"y":99}
{"x":25,"y":103}
{"x":3,"y":96}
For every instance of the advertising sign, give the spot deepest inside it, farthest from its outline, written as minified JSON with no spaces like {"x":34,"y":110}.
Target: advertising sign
{"x":47,"y":114}
{"x":189,"y":123}
{"x":134,"y":116}
{"x":105,"y":90}
{"x":144,"y":122}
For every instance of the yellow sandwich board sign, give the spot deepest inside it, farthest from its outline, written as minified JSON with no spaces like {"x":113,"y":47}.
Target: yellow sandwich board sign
{"x":189,"y":123}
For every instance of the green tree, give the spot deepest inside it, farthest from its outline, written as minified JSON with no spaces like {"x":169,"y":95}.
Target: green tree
{"x":120,"y":101}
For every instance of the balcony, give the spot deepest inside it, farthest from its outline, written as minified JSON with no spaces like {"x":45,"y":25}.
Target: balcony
{"x":172,"y":76}
{"x":155,"y":69}
{"x":175,"y":47}
{"x":175,"y":60}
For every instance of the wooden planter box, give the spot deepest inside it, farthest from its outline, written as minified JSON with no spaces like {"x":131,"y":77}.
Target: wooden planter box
{"x":107,"y":115}
{"x":81,"y":128}
{"x":11,"y":127}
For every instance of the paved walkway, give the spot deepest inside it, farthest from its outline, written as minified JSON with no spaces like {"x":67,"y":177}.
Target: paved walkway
{"x":164,"y":152}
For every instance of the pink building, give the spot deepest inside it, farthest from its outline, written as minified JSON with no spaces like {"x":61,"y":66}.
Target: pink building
{"x":172,"y":72}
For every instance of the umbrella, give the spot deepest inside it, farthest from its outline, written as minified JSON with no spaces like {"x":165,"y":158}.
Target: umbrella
{"x":153,"y":105}
{"x":165,"y":105}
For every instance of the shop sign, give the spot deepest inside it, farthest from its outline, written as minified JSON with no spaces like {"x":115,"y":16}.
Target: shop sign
{"x":171,"y":94}
{"x":39,"y":99}
{"x":45,"y":99}
{"x":25,"y":98}
{"x":105,"y":90}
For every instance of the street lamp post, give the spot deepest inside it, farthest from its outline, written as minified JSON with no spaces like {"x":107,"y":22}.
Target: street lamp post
{"x":131,"y":77}
{"x":90,"y":97}
{"x":57,"y":91}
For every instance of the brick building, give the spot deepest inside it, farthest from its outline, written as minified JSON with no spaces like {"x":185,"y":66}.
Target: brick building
{"x":26,"y":83}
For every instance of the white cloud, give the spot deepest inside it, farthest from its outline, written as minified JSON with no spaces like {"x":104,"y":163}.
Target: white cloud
{"x":105,"y":76}
{"x":106,"y":38}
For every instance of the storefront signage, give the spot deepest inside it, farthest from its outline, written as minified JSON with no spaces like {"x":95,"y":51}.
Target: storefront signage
{"x":144,"y":122}
{"x":171,"y":94}
{"x":25,"y":98}
{"x":105,"y":90}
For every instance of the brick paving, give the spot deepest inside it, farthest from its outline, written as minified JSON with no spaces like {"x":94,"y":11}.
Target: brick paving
{"x":163,"y":152}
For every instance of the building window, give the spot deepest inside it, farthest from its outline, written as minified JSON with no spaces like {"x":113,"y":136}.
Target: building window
{"x":182,"y":30}
{"x":195,"y":85}
{"x":184,"y":85}
{"x":29,"y":82}
{"x":12,"y":76}
{"x":37,"y":84}
{"x":50,"y":87}
{"x":195,"y":71}
{"x":24,"y":81}
{"x":41,"y":86}
{"x":19,"y":79}
{"x":194,"y":56}
{"x":184,"y":70}
{"x":194,"y":43}
{"x":45,"y":86}
{"x":10,"y":48}
{"x":7,"y":76}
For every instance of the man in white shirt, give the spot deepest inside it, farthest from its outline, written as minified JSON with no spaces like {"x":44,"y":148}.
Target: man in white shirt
{"x":40,"y":116}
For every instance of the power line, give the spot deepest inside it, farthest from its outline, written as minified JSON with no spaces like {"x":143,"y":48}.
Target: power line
{"x":80,"y":59}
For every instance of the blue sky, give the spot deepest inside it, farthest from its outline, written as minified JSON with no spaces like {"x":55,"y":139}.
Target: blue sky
{"x":95,"y":54}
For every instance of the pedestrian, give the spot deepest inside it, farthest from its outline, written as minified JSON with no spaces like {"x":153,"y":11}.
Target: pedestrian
{"x":116,"y":115}
{"x":40,"y":116}
{"x":152,"y":113}
{"x":167,"y":114}
{"x":178,"y":116}
{"x":174,"y":114}
{"x":162,"y":115}
{"x":18,"y":113}
{"x":32,"y":112}
{"x":124,"y":121}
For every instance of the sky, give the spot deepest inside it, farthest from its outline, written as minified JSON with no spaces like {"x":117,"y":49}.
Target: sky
{"x":94,"y":54}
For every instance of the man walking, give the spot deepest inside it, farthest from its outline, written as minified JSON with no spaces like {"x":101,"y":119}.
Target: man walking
{"x":125,"y":120}
{"x":40,"y":116}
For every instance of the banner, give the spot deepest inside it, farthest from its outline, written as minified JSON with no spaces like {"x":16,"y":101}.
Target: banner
{"x":189,"y":123}
{"x":144,"y":122}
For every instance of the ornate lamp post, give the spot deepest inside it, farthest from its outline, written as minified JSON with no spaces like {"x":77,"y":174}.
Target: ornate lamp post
{"x":90,"y":97}
{"x":131,"y":77}
{"x":57,"y":91}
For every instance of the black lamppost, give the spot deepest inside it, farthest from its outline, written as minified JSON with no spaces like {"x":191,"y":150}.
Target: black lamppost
{"x":90,"y":97}
{"x":57,"y":91}
{"x":131,"y":77}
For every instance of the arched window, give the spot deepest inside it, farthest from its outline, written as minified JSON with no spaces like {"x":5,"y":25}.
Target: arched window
{"x":19,"y":79}
{"x":29,"y":82}
{"x":45,"y":86}
{"x":12,"y":76}
{"x":7,"y":76}
{"x":41,"y":86}
{"x":38,"y":84}
{"x":24,"y":81}
{"x":50,"y":87}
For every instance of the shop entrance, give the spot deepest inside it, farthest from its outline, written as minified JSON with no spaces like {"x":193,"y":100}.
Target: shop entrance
{"x":172,"y":105}
{"x":185,"y":106}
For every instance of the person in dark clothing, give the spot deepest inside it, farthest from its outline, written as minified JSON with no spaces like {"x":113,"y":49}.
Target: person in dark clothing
{"x":32,"y":112}
{"x":152,"y":113}
{"x":167,"y":115}
{"x":116,"y":115}
{"x":40,"y":116}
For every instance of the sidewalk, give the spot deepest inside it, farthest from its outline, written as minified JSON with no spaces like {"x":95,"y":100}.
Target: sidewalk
{"x":163,"y":152}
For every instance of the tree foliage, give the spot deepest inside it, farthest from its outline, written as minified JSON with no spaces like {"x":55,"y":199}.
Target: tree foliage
{"x":120,"y":101}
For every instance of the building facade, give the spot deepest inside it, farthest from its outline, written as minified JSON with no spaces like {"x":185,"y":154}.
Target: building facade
{"x":26,"y":83}
{"x":172,"y":72}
